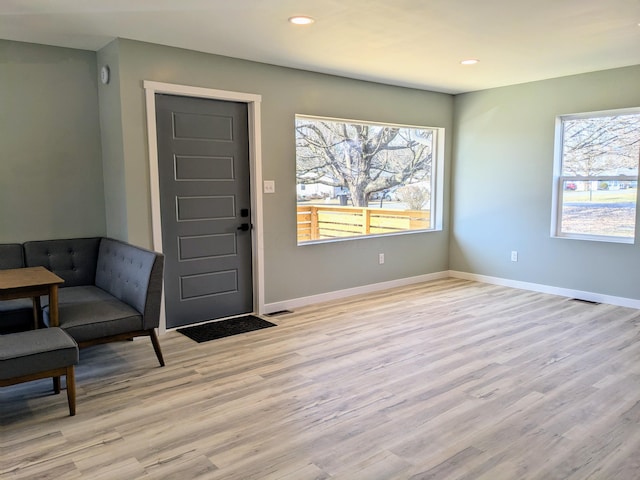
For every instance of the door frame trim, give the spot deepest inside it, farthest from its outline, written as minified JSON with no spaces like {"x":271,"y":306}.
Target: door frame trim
{"x":253,"y":102}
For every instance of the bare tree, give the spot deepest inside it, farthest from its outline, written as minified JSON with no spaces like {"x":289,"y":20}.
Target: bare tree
{"x":414,"y":196}
{"x":596,"y":145}
{"x":360,"y":157}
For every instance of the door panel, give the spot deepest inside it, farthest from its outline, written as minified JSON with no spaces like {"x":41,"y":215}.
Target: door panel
{"x":205,"y":208}
{"x":206,"y":246}
{"x":205,"y":197}
{"x":204,"y":168}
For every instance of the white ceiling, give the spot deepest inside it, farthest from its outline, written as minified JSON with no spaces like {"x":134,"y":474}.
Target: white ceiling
{"x":415,"y":43}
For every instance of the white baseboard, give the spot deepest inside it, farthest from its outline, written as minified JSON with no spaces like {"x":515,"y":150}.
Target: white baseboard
{"x":537,"y":287}
{"x":349,"y":292}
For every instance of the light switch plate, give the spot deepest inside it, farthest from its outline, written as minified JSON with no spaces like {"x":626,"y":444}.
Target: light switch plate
{"x":269,"y":186}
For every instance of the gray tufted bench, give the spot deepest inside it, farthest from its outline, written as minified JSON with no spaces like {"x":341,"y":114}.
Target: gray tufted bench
{"x":111,"y":289}
{"x":36,"y":354}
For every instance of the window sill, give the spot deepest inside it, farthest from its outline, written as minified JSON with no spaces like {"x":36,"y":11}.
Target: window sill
{"x":596,"y":238}
{"x":360,"y":237}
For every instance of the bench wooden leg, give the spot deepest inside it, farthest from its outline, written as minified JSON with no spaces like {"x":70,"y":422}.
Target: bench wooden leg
{"x":156,"y":346}
{"x":71,"y":390}
{"x":56,"y":375}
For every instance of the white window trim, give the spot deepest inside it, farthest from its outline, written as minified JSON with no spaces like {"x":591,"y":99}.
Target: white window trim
{"x":558,"y":178}
{"x":437,"y":179}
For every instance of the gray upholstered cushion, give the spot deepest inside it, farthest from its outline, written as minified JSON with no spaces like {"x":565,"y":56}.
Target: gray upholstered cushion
{"x":11,"y":256}
{"x":80,"y":294}
{"x":15,"y":315}
{"x":74,"y":260}
{"x":88,"y":313}
{"x":35,"y":351}
{"x":123,"y":271}
{"x":7,"y":306}
{"x":133,"y":275}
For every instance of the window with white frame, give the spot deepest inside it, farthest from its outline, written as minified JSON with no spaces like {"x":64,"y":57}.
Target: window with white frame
{"x":358,"y":178}
{"x":596,"y":175}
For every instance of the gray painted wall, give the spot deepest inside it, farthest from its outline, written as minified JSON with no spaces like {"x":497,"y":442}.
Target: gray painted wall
{"x":113,"y":166}
{"x":502,"y":185}
{"x":51,"y":167}
{"x":290,"y":271}
{"x":51,"y":176}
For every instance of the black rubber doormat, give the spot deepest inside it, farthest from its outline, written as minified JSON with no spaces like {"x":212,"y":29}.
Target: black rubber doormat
{"x":225,"y":328}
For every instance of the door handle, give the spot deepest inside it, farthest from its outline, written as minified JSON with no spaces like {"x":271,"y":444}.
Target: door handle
{"x":244,"y":227}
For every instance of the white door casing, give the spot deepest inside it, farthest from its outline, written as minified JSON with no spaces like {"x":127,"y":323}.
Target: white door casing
{"x":253,"y":102}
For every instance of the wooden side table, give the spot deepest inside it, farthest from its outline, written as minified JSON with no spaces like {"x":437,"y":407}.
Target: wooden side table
{"x":31,"y":282}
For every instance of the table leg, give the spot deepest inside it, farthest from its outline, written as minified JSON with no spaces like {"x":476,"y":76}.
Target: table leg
{"x":37,"y":312}
{"x":53,"y":306}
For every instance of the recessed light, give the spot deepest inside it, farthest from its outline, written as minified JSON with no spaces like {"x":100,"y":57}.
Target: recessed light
{"x":301,"y":20}
{"x":470,"y":61}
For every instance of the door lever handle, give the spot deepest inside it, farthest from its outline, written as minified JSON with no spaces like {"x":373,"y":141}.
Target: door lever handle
{"x":244,"y":227}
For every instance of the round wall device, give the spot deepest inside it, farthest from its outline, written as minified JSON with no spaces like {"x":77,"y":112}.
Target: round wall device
{"x":105,"y":74}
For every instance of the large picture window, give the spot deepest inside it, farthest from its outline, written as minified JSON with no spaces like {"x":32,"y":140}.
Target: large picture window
{"x":360,"y":179}
{"x":596,"y":168}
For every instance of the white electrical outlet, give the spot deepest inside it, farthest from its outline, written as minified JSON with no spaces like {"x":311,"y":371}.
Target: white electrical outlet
{"x":514,"y":256}
{"x":381,"y":258}
{"x":269,"y":186}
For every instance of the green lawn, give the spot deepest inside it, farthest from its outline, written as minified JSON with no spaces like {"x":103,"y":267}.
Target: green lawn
{"x":602,"y":196}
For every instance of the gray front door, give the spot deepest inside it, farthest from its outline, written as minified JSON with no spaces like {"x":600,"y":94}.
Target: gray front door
{"x":205,"y":199}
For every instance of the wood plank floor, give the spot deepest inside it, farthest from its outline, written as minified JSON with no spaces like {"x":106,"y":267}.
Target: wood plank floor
{"x":448,"y":379}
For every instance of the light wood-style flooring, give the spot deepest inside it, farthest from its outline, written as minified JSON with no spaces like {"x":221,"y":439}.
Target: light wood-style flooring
{"x":448,"y":379}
